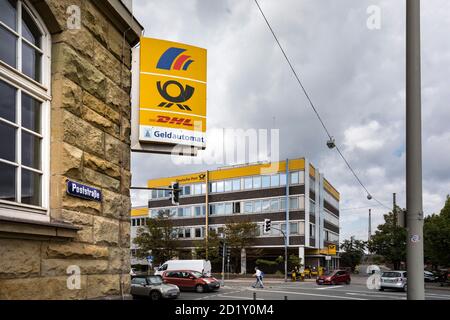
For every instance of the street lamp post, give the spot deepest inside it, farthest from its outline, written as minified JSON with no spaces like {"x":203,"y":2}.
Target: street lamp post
{"x":414,"y":250}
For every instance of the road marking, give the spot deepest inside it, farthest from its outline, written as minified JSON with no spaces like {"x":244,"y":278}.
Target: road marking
{"x":328,"y":288}
{"x":311,"y":294}
{"x":375,"y":295}
{"x":236,"y":297}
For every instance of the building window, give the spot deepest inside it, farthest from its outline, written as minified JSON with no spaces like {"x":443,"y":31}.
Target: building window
{"x":257,"y":182}
{"x":282,"y":179}
{"x":229,"y":208}
{"x":293,"y":203}
{"x":236,"y":184}
{"x":266,"y":205}
{"x":198,"y":232}
{"x":220,"y":186}
{"x":294,"y":177}
{"x":228,"y":186}
{"x":265,"y":181}
{"x":24,"y":109}
{"x":274,"y":205}
{"x":248,"y":207}
{"x":257,"y":206}
{"x":274,"y":180}
{"x":197,"y":189}
{"x":187,"y":190}
{"x":248,"y":183}
{"x":236,"y":207}
{"x":312,"y":230}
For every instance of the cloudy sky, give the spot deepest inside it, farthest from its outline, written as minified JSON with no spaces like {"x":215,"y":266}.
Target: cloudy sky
{"x":354,"y":75}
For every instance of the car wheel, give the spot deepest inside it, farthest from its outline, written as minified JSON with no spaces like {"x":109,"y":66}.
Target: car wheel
{"x":405,"y":288}
{"x":155,"y":295}
{"x":199,"y":288}
{"x":381,"y":289}
{"x":347,"y":282}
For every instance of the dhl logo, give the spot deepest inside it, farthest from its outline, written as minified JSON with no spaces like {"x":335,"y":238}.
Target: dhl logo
{"x":174,"y":120}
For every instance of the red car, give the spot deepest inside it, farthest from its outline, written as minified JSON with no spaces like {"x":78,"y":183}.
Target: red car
{"x":191,"y":280}
{"x":335,"y":277}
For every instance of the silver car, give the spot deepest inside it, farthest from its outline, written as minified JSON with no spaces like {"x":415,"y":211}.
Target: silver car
{"x":394,"y":280}
{"x":153,"y":287}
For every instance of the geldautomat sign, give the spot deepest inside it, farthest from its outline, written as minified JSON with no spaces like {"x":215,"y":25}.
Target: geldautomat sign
{"x":82,"y":191}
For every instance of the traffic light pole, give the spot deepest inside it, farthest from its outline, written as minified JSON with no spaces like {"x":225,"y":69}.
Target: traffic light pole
{"x":414,"y":249}
{"x":223,"y":264}
{"x":285,"y":253}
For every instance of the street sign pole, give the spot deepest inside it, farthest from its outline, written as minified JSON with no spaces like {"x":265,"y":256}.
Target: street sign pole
{"x":414,"y":250}
{"x":223,"y":265}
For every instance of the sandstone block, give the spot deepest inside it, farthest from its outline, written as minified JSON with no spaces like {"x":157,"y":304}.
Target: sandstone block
{"x":103,"y":285}
{"x":106,"y":231}
{"x":75,"y":251}
{"x":19,"y":258}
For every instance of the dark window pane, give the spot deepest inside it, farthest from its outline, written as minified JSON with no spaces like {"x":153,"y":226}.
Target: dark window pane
{"x":31,"y":187}
{"x":7,"y":182}
{"x":7,"y":47}
{"x":31,"y":150}
{"x":29,"y":29}
{"x":7,"y":101}
{"x":8,"y":14}
{"x":31,"y":62}
{"x":8,"y":138}
{"x":31,"y":113}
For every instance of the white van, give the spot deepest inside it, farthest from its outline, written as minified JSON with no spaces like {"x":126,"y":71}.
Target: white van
{"x":194,"y":265}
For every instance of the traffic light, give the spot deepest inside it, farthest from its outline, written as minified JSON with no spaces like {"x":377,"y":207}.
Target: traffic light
{"x":175,"y":193}
{"x":267,"y":223}
{"x":221,"y":245}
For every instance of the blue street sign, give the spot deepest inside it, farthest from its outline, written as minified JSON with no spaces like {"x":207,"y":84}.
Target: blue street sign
{"x":82,"y":191}
{"x":149,"y":258}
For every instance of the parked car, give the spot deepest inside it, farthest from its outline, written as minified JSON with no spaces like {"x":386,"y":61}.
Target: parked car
{"x":191,"y":280}
{"x":203,"y":266}
{"x":153,"y":287}
{"x":394,"y":280}
{"x":429,"y":276}
{"x":334,"y":277}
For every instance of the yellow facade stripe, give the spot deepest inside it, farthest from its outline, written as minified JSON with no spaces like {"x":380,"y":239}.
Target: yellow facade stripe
{"x":230,"y":173}
{"x":312,"y":171}
{"x":139,"y":212}
{"x":331,"y":189}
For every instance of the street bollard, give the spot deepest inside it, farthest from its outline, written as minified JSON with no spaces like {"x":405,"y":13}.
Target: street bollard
{"x":285,"y":298}
{"x":254,"y":295}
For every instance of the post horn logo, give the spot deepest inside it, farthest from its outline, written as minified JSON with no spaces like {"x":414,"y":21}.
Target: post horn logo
{"x":184,"y":95}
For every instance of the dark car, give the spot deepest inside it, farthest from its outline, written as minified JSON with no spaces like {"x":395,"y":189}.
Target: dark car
{"x":429,"y":276}
{"x":152,"y":287}
{"x":444,"y":278}
{"x":191,"y":280}
{"x":334,"y":277}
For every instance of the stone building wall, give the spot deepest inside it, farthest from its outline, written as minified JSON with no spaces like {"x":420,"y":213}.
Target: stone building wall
{"x":90,"y":144}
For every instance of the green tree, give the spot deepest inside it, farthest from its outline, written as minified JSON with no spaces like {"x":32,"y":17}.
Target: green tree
{"x":389,"y":241}
{"x":436,"y":234}
{"x":159,"y":237}
{"x":353,"y":252}
{"x":213,"y":248}
{"x":239,"y":235}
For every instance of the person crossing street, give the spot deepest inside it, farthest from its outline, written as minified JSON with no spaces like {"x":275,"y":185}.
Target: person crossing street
{"x":259,"y":277}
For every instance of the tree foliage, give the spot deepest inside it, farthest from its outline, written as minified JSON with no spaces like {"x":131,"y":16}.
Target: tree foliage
{"x":158,"y":236}
{"x":389,"y":241}
{"x":436,"y":235}
{"x":353,"y":252}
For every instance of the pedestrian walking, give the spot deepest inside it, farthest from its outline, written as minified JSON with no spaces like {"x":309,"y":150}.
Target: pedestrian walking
{"x":259,"y":277}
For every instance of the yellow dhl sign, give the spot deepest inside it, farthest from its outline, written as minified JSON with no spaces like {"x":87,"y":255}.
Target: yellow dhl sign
{"x":230,"y":173}
{"x":139,"y":212}
{"x":172,"y":97}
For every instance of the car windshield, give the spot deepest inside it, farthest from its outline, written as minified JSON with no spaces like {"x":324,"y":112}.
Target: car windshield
{"x":154,"y":280}
{"x":391,"y":274}
{"x":197,"y":274}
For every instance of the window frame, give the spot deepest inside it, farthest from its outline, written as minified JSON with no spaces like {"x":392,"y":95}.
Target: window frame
{"x":41,"y":91}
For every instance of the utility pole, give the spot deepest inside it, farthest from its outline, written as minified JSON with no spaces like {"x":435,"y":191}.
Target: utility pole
{"x":370,"y":225}
{"x":394,"y":208}
{"x":206,"y":215}
{"x":414,"y":250}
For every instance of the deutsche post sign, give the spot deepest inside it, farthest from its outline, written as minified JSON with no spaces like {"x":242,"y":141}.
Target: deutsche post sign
{"x":172,"y":95}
